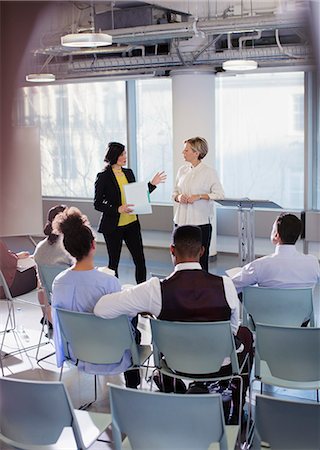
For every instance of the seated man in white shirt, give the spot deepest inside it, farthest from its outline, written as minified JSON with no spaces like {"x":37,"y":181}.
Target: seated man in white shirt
{"x":188,"y":294}
{"x":286,"y":267}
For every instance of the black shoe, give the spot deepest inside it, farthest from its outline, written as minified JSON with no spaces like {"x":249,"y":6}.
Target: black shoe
{"x":42,"y":321}
{"x":168,"y":384}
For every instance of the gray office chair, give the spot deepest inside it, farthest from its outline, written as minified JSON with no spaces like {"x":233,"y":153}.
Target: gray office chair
{"x":161,"y":421}
{"x":194,"y":350}
{"x":88,"y":338}
{"x":38,"y":415}
{"x":47,"y":274}
{"x":285,"y":307}
{"x":283,"y":424}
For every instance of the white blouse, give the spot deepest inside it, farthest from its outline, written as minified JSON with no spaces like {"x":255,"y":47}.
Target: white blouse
{"x":190,"y":180}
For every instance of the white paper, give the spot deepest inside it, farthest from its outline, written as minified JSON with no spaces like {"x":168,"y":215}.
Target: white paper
{"x":137,"y":194}
{"x":25,"y":264}
{"x":234,"y":271}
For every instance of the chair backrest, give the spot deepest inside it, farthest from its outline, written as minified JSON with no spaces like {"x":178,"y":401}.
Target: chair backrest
{"x":5,"y":287}
{"x":286,"y":307}
{"x":194,"y":347}
{"x":290,"y":353}
{"x":286,"y":424}
{"x":96,"y":340}
{"x":47,"y":274}
{"x":34,"y":412}
{"x":153,"y":420}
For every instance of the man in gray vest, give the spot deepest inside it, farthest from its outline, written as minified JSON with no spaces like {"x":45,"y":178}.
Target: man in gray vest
{"x":189,"y":294}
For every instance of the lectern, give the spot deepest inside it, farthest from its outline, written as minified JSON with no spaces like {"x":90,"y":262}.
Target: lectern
{"x":246,"y":228}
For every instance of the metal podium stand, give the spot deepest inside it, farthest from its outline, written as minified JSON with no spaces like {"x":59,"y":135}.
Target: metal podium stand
{"x":246,"y":228}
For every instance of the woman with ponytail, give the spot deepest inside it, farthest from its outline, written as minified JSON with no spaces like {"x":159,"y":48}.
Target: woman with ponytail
{"x":79,"y":287}
{"x":50,"y":251}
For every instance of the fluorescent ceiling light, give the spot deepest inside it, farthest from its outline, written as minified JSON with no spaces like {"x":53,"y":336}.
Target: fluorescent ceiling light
{"x":40,"y":77}
{"x":86,"y":40}
{"x":240,"y":65}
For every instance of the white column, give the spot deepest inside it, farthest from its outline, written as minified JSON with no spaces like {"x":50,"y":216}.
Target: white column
{"x":193,"y":103}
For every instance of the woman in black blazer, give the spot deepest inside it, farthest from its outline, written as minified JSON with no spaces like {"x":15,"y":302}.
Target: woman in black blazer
{"x":116,"y":223}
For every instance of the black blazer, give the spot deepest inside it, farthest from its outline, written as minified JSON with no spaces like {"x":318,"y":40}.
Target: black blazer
{"x":107,"y":197}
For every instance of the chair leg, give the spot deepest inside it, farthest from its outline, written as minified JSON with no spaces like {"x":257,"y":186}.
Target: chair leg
{"x":86,"y":405}
{"x":61,"y":370}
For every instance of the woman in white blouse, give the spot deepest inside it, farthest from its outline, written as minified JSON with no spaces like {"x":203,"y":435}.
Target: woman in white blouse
{"x":197,"y":185}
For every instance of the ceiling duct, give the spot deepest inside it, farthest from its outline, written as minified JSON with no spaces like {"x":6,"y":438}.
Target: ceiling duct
{"x":137,"y":14}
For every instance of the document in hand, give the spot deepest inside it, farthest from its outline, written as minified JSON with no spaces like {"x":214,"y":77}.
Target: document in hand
{"x":137,"y":194}
{"x":234,"y":271}
{"x":25,"y":264}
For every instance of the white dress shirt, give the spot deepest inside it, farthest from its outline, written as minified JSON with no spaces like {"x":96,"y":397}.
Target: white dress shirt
{"x":190,"y":180}
{"x":285,"y":268}
{"x":146,"y":297}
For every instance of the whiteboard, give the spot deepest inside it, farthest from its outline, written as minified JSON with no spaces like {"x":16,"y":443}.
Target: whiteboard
{"x":21,"y":202}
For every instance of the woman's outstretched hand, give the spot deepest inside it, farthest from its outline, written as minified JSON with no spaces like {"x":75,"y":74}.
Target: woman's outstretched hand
{"x":160,"y":177}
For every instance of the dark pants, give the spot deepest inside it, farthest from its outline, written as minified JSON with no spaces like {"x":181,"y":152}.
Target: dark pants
{"x":131,"y":235}
{"x":206,"y":231}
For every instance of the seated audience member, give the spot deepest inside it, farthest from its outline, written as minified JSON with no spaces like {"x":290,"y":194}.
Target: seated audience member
{"x":286,"y":267}
{"x":189,"y":294}
{"x":79,"y":288}
{"x":51,"y":251}
{"x":19,"y":282}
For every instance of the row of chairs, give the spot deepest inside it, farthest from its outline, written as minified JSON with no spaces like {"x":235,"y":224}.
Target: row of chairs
{"x":149,"y":420}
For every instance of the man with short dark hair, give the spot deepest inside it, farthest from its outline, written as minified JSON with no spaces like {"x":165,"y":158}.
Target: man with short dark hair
{"x":286,"y":267}
{"x":189,"y":294}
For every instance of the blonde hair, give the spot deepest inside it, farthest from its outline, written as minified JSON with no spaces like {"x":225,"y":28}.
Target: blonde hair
{"x":198,"y":144}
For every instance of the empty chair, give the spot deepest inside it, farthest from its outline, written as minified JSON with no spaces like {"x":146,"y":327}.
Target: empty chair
{"x":94,"y":340}
{"x":284,"y":424}
{"x":286,"y":307}
{"x":161,"y":421}
{"x":38,"y":415}
{"x":288,"y":357}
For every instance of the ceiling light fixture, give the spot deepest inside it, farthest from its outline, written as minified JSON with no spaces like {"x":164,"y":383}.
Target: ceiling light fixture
{"x":40,"y":77}
{"x":240,"y":65}
{"x":86,"y":40}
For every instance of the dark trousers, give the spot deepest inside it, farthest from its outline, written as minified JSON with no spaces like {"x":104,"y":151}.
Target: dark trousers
{"x":131,"y":235}
{"x":206,"y":231}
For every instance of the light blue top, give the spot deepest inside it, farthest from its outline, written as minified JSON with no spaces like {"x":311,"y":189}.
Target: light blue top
{"x":79,"y":291}
{"x":285,"y":268}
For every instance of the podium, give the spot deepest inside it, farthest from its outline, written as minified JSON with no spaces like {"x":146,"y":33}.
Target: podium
{"x":246,"y":226}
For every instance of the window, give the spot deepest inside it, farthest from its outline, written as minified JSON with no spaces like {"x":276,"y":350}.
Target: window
{"x":75,"y":121}
{"x":154,"y":134}
{"x":260,"y":138}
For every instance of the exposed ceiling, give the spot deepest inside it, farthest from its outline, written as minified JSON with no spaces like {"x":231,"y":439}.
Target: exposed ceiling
{"x":156,"y":36}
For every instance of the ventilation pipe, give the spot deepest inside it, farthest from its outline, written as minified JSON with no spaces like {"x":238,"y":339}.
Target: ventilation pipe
{"x":253,"y":37}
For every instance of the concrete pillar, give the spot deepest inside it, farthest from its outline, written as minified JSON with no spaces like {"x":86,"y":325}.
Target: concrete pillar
{"x":193,"y":103}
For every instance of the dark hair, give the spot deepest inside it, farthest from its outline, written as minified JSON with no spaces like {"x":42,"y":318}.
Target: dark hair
{"x":187,"y":240}
{"x":114,"y":150}
{"x":52,"y":237}
{"x":77,"y":234}
{"x":289,"y":228}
